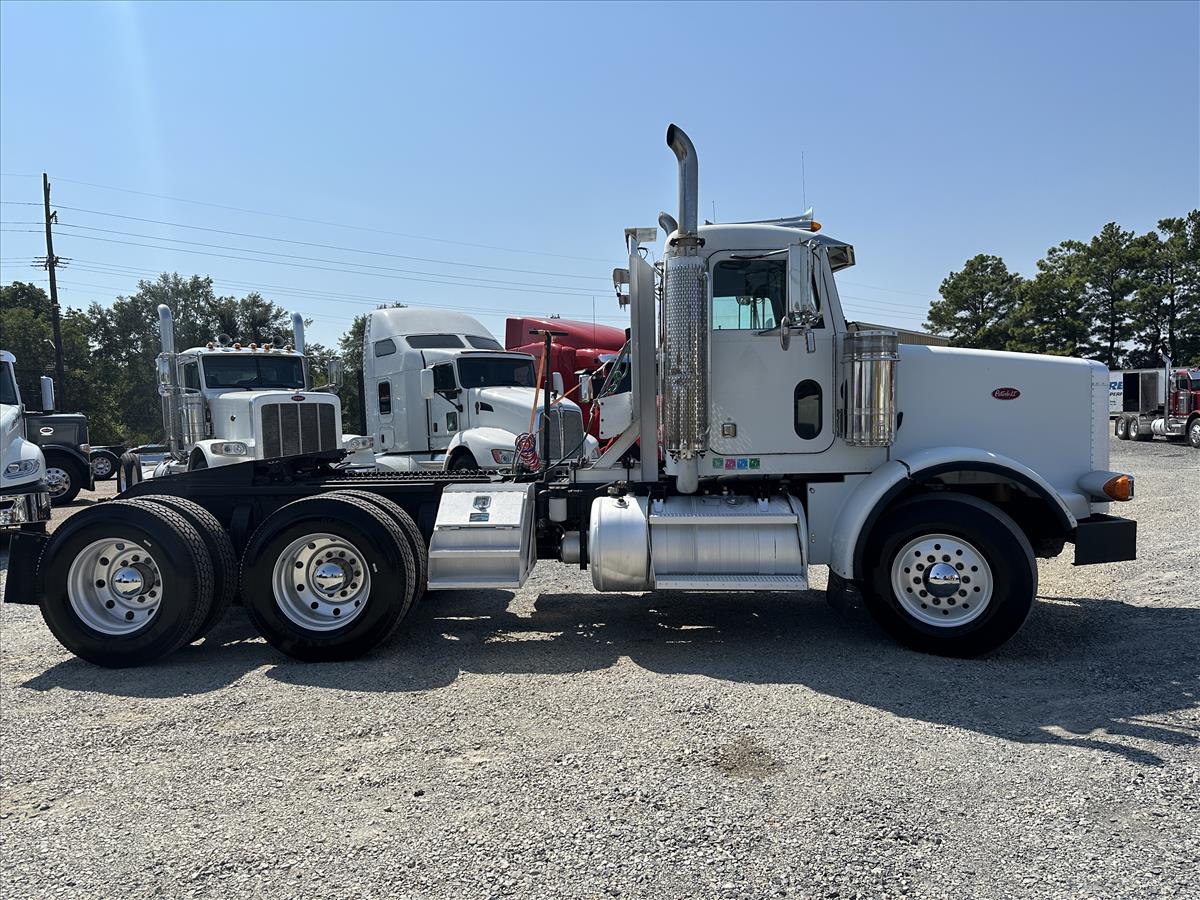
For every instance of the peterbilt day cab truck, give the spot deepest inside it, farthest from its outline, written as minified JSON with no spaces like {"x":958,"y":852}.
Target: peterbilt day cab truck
{"x":24,"y":491}
{"x":440,"y":393}
{"x":1159,"y":403}
{"x":227,"y":402}
{"x":932,"y":478}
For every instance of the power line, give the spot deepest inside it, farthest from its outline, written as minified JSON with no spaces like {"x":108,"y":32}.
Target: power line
{"x":256,"y":212}
{"x":264,"y":237}
{"x":534,"y":289}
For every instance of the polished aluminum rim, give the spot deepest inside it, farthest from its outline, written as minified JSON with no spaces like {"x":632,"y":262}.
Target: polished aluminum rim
{"x":102,"y":466}
{"x":58,"y":480}
{"x":115,"y":586}
{"x":941,"y":580}
{"x":321,"y":582}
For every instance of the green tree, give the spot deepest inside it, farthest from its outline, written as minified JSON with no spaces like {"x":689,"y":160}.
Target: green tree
{"x":1048,"y":317}
{"x":1166,"y":307}
{"x":1109,"y":266}
{"x":977,"y":304}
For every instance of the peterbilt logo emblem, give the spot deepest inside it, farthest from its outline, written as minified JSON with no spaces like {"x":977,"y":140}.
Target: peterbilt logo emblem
{"x":482,"y":502}
{"x":297,"y":397}
{"x":46,"y":429}
{"x":1006,"y":393}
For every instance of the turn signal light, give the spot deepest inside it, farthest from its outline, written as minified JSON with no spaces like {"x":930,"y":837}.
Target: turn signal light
{"x":1119,"y":488}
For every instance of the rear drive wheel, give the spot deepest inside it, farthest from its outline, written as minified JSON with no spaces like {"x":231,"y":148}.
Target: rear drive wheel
{"x":412,"y":534}
{"x":1122,"y":429}
{"x":65,"y":478}
{"x":104,"y":464}
{"x":953,"y":575}
{"x":129,"y":471}
{"x":220,"y":551}
{"x":125,"y":583}
{"x":1137,"y":432}
{"x":328,"y":577}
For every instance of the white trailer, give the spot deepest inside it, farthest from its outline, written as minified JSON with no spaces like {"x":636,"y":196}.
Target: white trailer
{"x":441,"y":393}
{"x":765,"y":438}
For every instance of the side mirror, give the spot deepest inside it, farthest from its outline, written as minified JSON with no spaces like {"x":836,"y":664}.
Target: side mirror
{"x":556,"y":383}
{"x":585,"y":387}
{"x":47,"y":384}
{"x":333,"y":374}
{"x":800,"y":286}
{"x":427,"y":384}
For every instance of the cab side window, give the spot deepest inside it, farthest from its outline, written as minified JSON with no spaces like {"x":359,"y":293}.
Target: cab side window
{"x":443,"y":378}
{"x":750,"y":294}
{"x":385,"y":398}
{"x":191,"y":376}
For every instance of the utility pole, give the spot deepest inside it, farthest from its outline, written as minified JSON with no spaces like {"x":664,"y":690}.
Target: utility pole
{"x":51,"y":265}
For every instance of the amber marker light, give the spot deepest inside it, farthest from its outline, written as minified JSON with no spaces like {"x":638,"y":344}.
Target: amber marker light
{"x":1119,"y":488}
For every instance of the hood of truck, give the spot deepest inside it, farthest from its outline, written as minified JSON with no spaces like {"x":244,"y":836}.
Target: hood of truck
{"x":1048,"y":412}
{"x":510,"y":407}
{"x":10,"y":423}
{"x":234,"y":413}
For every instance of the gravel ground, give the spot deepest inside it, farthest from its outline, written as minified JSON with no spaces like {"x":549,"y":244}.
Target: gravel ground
{"x":559,"y":743}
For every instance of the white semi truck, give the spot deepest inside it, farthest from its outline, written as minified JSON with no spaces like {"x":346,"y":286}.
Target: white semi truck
{"x":227,"y":402}
{"x":24,"y":490}
{"x":441,"y":393}
{"x":765,"y":438}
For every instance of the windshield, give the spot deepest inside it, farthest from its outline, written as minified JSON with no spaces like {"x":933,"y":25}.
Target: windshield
{"x":254,"y":372}
{"x":495,"y":371}
{"x":8,"y":387}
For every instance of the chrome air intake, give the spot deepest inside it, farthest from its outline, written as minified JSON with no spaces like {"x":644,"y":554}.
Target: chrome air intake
{"x":866,"y":413}
{"x":684,"y":373}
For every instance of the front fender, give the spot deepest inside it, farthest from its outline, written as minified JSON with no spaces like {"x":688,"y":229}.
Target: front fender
{"x":216,"y":460}
{"x":866,"y":503}
{"x":481,"y":442}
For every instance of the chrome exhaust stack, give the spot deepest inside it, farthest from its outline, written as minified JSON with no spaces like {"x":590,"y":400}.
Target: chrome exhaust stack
{"x":684,"y":373}
{"x":298,"y":332}
{"x":168,"y":384}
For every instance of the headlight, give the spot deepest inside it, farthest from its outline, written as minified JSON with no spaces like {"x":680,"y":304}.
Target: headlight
{"x":22,"y":468}
{"x":231,"y":448}
{"x":360,"y":443}
{"x":503,"y":457}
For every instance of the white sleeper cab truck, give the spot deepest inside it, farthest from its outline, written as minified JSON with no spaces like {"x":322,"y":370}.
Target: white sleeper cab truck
{"x":227,"y":402}
{"x":24,"y":491}
{"x":765,"y":438}
{"x":441,"y":393}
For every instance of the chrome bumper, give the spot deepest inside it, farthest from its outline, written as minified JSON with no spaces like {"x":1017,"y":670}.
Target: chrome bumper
{"x":25,"y":508}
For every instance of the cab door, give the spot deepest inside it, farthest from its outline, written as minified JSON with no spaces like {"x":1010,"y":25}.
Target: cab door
{"x":445,"y":409}
{"x":765,"y":399}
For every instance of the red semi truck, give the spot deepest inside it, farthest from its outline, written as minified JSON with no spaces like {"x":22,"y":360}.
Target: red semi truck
{"x":578,"y":347}
{"x":1163,"y":402}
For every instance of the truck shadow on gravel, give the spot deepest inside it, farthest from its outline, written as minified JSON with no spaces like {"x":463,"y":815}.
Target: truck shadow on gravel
{"x":1082,"y":672}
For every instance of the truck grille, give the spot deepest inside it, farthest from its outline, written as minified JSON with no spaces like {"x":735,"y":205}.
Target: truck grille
{"x":566,"y":433}
{"x":292,"y":428}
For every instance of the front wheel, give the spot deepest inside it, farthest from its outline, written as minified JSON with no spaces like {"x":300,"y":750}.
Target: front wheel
{"x":104,"y":464}
{"x":65,"y":478}
{"x":464,"y":462}
{"x":1194,"y":433}
{"x":953,"y":575}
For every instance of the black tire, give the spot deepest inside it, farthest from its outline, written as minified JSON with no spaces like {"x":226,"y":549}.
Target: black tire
{"x":385,"y":555}
{"x":1122,"y":428}
{"x":67,"y":472}
{"x":182,"y":563}
{"x":220,"y":551}
{"x":1193,"y":433}
{"x":416,"y":540}
{"x":1137,"y":432}
{"x":129,"y":471}
{"x":463,"y":462}
{"x":104,"y":464}
{"x":982,"y":527}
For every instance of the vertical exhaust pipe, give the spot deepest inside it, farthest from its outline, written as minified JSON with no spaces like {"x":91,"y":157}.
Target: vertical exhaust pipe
{"x":298,"y":343}
{"x":684,"y":373}
{"x":168,"y":384}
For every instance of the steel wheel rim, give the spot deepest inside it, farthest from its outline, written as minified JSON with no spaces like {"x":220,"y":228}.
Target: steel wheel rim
{"x":115,"y":587}
{"x":102,"y":466}
{"x":942,"y":580}
{"x":321,"y":582}
{"x":58,"y":480}
{"x":1195,"y":433}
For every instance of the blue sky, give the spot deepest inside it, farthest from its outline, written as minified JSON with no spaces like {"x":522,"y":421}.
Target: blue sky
{"x":513,"y":143}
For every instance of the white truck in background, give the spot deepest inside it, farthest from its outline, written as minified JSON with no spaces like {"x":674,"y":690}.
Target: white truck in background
{"x":24,"y":491}
{"x":441,"y":393}
{"x":227,"y":402}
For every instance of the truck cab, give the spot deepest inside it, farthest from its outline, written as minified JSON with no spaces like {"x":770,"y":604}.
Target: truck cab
{"x":442,"y":394}
{"x":24,"y":491}
{"x":227,"y":402}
